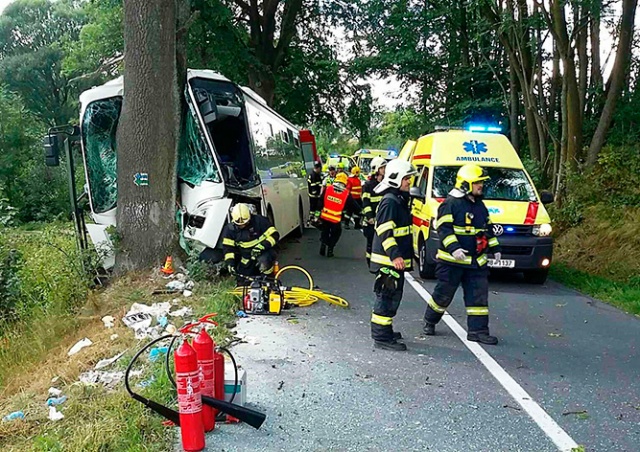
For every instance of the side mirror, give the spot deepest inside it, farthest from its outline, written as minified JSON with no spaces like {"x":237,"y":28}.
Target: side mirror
{"x":51,"y":150}
{"x":546,"y":197}
{"x":416,"y":193}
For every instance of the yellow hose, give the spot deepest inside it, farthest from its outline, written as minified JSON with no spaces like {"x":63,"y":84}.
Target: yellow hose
{"x":299,"y":296}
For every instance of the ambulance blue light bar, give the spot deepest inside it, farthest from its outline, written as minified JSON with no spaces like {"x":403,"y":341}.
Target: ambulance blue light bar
{"x":481,"y":128}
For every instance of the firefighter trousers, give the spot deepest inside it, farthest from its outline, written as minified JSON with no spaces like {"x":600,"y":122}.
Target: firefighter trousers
{"x":263,"y":264}
{"x":368,"y":232}
{"x":331,"y":233}
{"x":384,"y":310}
{"x":475,"y":284}
{"x":353,"y":212}
{"x":314,"y":204}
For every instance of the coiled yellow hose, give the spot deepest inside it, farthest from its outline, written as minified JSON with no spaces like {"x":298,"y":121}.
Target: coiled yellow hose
{"x":299,"y":296}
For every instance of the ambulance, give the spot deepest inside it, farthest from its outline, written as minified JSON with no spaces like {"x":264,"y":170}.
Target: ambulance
{"x":520,"y":221}
{"x":364,"y":157}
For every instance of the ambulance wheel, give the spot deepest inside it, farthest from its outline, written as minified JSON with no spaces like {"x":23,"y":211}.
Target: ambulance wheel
{"x":536,"y":276}
{"x":425,"y":269}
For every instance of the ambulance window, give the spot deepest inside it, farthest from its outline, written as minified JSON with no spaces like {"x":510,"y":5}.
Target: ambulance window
{"x":424,"y":178}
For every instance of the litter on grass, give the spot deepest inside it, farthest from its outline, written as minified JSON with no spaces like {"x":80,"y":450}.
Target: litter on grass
{"x":54,"y":414}
{"x":79,"y":346}
{"x":108,"y":361}
{"x":108,"y":321}
{"x":54,"y":392}
{"x":14,"y":416}
{"x":52,"y":401}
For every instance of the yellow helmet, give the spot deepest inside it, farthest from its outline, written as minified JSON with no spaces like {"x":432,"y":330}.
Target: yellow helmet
{"x":240,"y":214}
{"x":468,"y":175}
{"x":355,"y":170}
{"x":341,"y":178}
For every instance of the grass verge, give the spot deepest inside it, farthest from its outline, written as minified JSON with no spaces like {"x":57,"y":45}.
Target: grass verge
{"x":625,"y":296}
{"x":34,"y":351}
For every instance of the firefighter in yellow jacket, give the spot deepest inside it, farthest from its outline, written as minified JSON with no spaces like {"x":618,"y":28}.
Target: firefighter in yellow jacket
{"x":248,"y":243}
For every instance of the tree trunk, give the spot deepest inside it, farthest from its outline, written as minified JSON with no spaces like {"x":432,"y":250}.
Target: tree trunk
{"x":514,"y":109}
{"x":583,"y":59}
{"x":596,"y":65}
{"x":148,"y":135}
{"x":617,"y":79}
{"x":262,"y":81}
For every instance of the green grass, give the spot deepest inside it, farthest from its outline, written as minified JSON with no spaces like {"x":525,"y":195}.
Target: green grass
{"x":625,"y":296}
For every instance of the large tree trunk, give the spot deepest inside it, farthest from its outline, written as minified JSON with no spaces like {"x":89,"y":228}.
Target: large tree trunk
{"x":596,"y":82}
{"x":617,"y":79}
{"x":583,"y":60}
{"x":148,"y":135}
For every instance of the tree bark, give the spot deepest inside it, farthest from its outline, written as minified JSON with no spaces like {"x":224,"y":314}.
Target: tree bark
{"x":583,"y":60}
{"x":514,"y":109}
{"x":596,"y":82}
{"x":617,"y":79}
{"x":148,"y":135}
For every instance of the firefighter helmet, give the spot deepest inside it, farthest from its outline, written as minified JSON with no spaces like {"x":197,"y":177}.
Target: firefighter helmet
{"x":341,"y":178}
{"x":468,"y":175}
{"x":355,"y":171}
{"x":395,"y":172}
{"x":377,"y":163}
{"x":240,"y":214}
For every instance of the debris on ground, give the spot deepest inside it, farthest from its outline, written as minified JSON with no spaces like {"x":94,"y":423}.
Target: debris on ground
{"x":178,"y":286}
{"x":182,"y":312}
{"x":108,"y":361}
{"x":14,"y":416}
{"x":581,"y":412}
{"x":241,"y":314}
{"x":108,"y":321}
{"x":52,"y":401}
{"x":86,"y":342}
{"x":157,"y":353}
{"x":555,"y":335}
{"x":171,"y":329}
{"x":54,"y":414}
{"x":147,"y":382}
{"x":108,"y":379}
{"x":187,"y":293}
{"x":512,"y":407}
{"x":140,"y":318}
{"x":113,"y":337}
{"x":280,"y":385}
{"x":54,"y":392}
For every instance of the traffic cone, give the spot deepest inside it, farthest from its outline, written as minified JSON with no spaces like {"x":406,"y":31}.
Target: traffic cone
{"x":167,"y":269}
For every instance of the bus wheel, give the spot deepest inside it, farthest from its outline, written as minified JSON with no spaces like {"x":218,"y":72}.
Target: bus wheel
{"x":299,"y":231}
{"x":536,"y":276}
{"x":425,"y":269}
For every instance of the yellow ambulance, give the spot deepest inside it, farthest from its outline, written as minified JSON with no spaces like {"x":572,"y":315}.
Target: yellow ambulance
{"x":520,"y":221}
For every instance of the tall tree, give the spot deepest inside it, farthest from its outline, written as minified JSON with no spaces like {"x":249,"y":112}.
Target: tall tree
{"x":616,"y":80}
{"x":148,"y":135}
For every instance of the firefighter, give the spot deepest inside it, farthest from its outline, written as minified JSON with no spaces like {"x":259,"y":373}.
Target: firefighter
{"x":329,"y":179}
{"x":354,"y":185}
{"x":336,"y":199}
{"x":466,"y":237}
{"x":370,"y":201}
{"x":314,"y":181}
{"x":392,"y":252}
{"x":248,"y":243}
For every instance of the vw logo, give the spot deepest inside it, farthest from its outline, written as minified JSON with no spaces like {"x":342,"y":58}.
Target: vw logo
{"x":498,"y":229}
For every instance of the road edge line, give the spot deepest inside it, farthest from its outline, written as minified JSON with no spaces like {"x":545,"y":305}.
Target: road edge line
{"x":549,"y":426}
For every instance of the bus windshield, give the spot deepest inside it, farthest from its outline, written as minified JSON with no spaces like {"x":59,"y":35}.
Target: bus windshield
{"x":505,"y":184}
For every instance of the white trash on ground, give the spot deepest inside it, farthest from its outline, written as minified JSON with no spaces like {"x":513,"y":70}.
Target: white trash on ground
{"x":54,"y":392}
{"x":79,"y":346}
{"x":54,"y":414}
{"x":108,"y":321}
{"x":108,"y":361}
{"x":108,"y":379}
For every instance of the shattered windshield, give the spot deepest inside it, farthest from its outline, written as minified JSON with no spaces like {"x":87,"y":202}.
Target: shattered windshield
{"x":195,"y":162}
{"x":99,"y":126}
{"x":505,"y":184}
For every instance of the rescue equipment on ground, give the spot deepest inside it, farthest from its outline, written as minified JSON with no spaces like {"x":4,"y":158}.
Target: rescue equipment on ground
{"x":199,"y":371}
{"x":266,"y":295}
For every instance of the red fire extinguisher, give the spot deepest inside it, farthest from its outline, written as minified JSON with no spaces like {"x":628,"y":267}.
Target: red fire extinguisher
{"x":218,"y":375}
{"x":203,"y":345}
{"x":189,"y":398}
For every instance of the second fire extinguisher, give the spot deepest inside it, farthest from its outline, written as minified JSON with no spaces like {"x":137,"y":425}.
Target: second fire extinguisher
{"x":203,"y":345}
{"x":189,"y":398}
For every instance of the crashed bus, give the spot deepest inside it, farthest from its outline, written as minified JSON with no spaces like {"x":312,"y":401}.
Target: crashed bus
{"x":235,"y":149}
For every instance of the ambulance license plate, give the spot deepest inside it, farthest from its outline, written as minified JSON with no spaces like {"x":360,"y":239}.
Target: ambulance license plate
{"x":502,"y":263}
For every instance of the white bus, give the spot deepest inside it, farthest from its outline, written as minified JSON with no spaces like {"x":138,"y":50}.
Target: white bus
{"x":236,"y":149}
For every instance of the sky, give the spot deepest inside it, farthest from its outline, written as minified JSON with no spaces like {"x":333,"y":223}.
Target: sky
{"x":4,"y":3}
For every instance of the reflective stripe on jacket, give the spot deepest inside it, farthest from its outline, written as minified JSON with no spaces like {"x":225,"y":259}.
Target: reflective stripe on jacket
{"x":238,"y":242}
{"x":393,"y":236}
{"x":333,"y":204}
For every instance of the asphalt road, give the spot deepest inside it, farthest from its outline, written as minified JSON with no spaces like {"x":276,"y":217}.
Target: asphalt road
{"x":324,"y":386}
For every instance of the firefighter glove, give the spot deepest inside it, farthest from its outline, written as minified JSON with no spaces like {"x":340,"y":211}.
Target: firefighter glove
{"x":460,"y":254}
{"x":386,"y":281}
{"x":255,"y":253}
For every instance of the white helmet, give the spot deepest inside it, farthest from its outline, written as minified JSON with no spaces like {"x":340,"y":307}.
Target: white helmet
{"x":240,"y":214}
{"x":377,"y":163}
{"x":395,"y":172}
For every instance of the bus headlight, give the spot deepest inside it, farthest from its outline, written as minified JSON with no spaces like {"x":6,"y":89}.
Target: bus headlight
{"x":542,"y":230}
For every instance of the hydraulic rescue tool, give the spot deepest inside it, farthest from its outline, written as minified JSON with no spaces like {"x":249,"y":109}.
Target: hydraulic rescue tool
{"x":267,"y":295}
{"x":199,"y":383}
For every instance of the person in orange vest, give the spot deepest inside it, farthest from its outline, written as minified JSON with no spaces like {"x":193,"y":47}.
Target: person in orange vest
{"x":354,"y":185}
{"x":334,"y":202}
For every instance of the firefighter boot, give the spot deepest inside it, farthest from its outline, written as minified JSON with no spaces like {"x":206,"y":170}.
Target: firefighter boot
{"x":323,"y":249}
{"x":330,"y":252}
{"x":429,"y":329}
{"x":397,"y":335}
{"x":483,"y":338}
{"x":392,"y":345}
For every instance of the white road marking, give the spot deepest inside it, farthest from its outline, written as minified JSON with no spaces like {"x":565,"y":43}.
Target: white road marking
{"x":555,"y":433}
